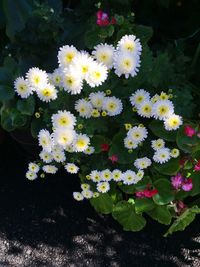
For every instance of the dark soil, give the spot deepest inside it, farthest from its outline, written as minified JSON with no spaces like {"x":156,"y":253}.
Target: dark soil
{"x":41,"y":225}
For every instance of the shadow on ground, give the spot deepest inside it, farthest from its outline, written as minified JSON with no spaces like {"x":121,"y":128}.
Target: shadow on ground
{"x":41,"y":225}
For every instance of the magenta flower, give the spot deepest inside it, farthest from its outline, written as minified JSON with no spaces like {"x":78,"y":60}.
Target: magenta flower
{"x":103,"y":19}
{"x":187,"y":185}
{"x":189,"y":131}
{"x":113,"y":158}
{"x":177,"y":181}
{"x":197,"y":166}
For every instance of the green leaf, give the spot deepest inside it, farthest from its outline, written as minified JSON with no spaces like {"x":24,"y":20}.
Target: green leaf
{"x":125,"y":214}
{"x":6,"y":93}
{"x":16,"y":13}
{"x":143,"y":204}
{"x":169,"y":168}
{"x":26,"y":106}
{"x":128,"y":189}
{"x":143,"y":32}
{"x":183,"y":220}
{"x":157,"y":127}
{"x":160,"y":214}
{"x":103,"y":203}
{"x":165,"y":194}
{"x":196,"y":184}
{"x":18,"y":120}
{"x":6,"y":120}
{"x":97,"y":141}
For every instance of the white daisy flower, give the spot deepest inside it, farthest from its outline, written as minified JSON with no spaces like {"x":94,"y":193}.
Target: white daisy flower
{"x":158,"y":144}
{"x":145,"y":109}
{"x":129,"y":43}
{"x":50,"y":169}
{"x":84,"y":108}
{"x":126,"y":64}
{"x":83,"y":63}
{"x":163,"y":109}
{"x":45,"y":156}
{"x":81,"y":142}
{"x":59,"y":156}
{"x":63,"y":137}
{"x":174,"y":153}
{"x":66,"y":54}
{"x":90,"y":150}
{"x":78,"y":196}
{"x":129,"y":143}
{"x":97,"y":99}
{"x":97,"y":75}
{"x":22,"y":87}
{"x":95,"y":176}
{"x":129,"y":177}
{"x":96,"y":194}
{"x":139,"y":97}
{"x":140,"y":174}
{"x":117,"y":175}
{"x":173,"y":122}
{"x":31,"y":175}
{"x":85,"y":186}
{"x":33,"y":167}
{"x":104,"y":53}
{"x":63,"y":119}
{"x":87,"y":194}
{"x":138,"y":134}
{"x":72,"y":81}
{"x":103,"y":187}
{"x":45,"y":140}
{"x":112,"y":105}
{"x":56,"y":77}
{"x":36,"y":77}
{"x":162,"y":155}
{"x":142,"y":163}
{"x":106,"y":175}
{"x":71,"y":168}
{"x":47,"y":92}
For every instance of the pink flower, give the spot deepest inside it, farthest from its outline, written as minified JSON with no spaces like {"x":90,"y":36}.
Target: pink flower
{"x":177,"y":181}
{"x":103,"y":19}
{"x":105,"y":147}
{"x":113,"y":158}
{"x":187,"y":185}
{"x":189,"y":131}
{"x":197,"y":166}
{"x":180,"y":206}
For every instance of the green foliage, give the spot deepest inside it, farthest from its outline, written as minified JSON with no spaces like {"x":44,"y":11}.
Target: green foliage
{"x":160,"y":214}
{"x":103,"y":203}
{"x":169,"y":168}
{"x":27,"y":106}
{"x":183,"y":220}
{"x":124,"y":213}
{"x":165,"y":194}
{"x":157,"y":128}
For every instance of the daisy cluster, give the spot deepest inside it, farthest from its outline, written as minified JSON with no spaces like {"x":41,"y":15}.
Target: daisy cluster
{"x":135,"y":136}
{"x":98,"y":104}
{"x":102,"y":180}
{"x":158,"y":107}
{"x":35,"y":81}
{"x":163,"y":154}
{"x":54,"y":145}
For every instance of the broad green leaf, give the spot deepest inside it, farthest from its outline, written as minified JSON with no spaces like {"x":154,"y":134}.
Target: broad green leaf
{"x":16,"y":13}
{"x":103,"y":203}
{"x":143,"y":32}
{"x":165,"y":194}
{"x":196,"y":184}
{"x":169,"y":168}
{"x":6,"y":93}
{"x":6,"y":120}
{"x":128,"y":189}
{"x":26,"y":106}
{"x":124,"y":213}
{"x":157,"y":127}
{"x":143,"y":204}
{"x":183,"y":220}
{"x":18,"y":120}
{"x":160,"y":214}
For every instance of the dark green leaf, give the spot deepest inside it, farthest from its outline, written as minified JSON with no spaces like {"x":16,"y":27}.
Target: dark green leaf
{"x":103,"y":203}
{"x":160,"y":214}
{"x":157,"y":127}
{"x":26,"y":106}
{"x":165,"y":194}
{"x":169,"y":168}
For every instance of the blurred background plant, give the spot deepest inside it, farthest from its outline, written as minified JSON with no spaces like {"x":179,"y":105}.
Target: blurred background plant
{"x":32,"y":31}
